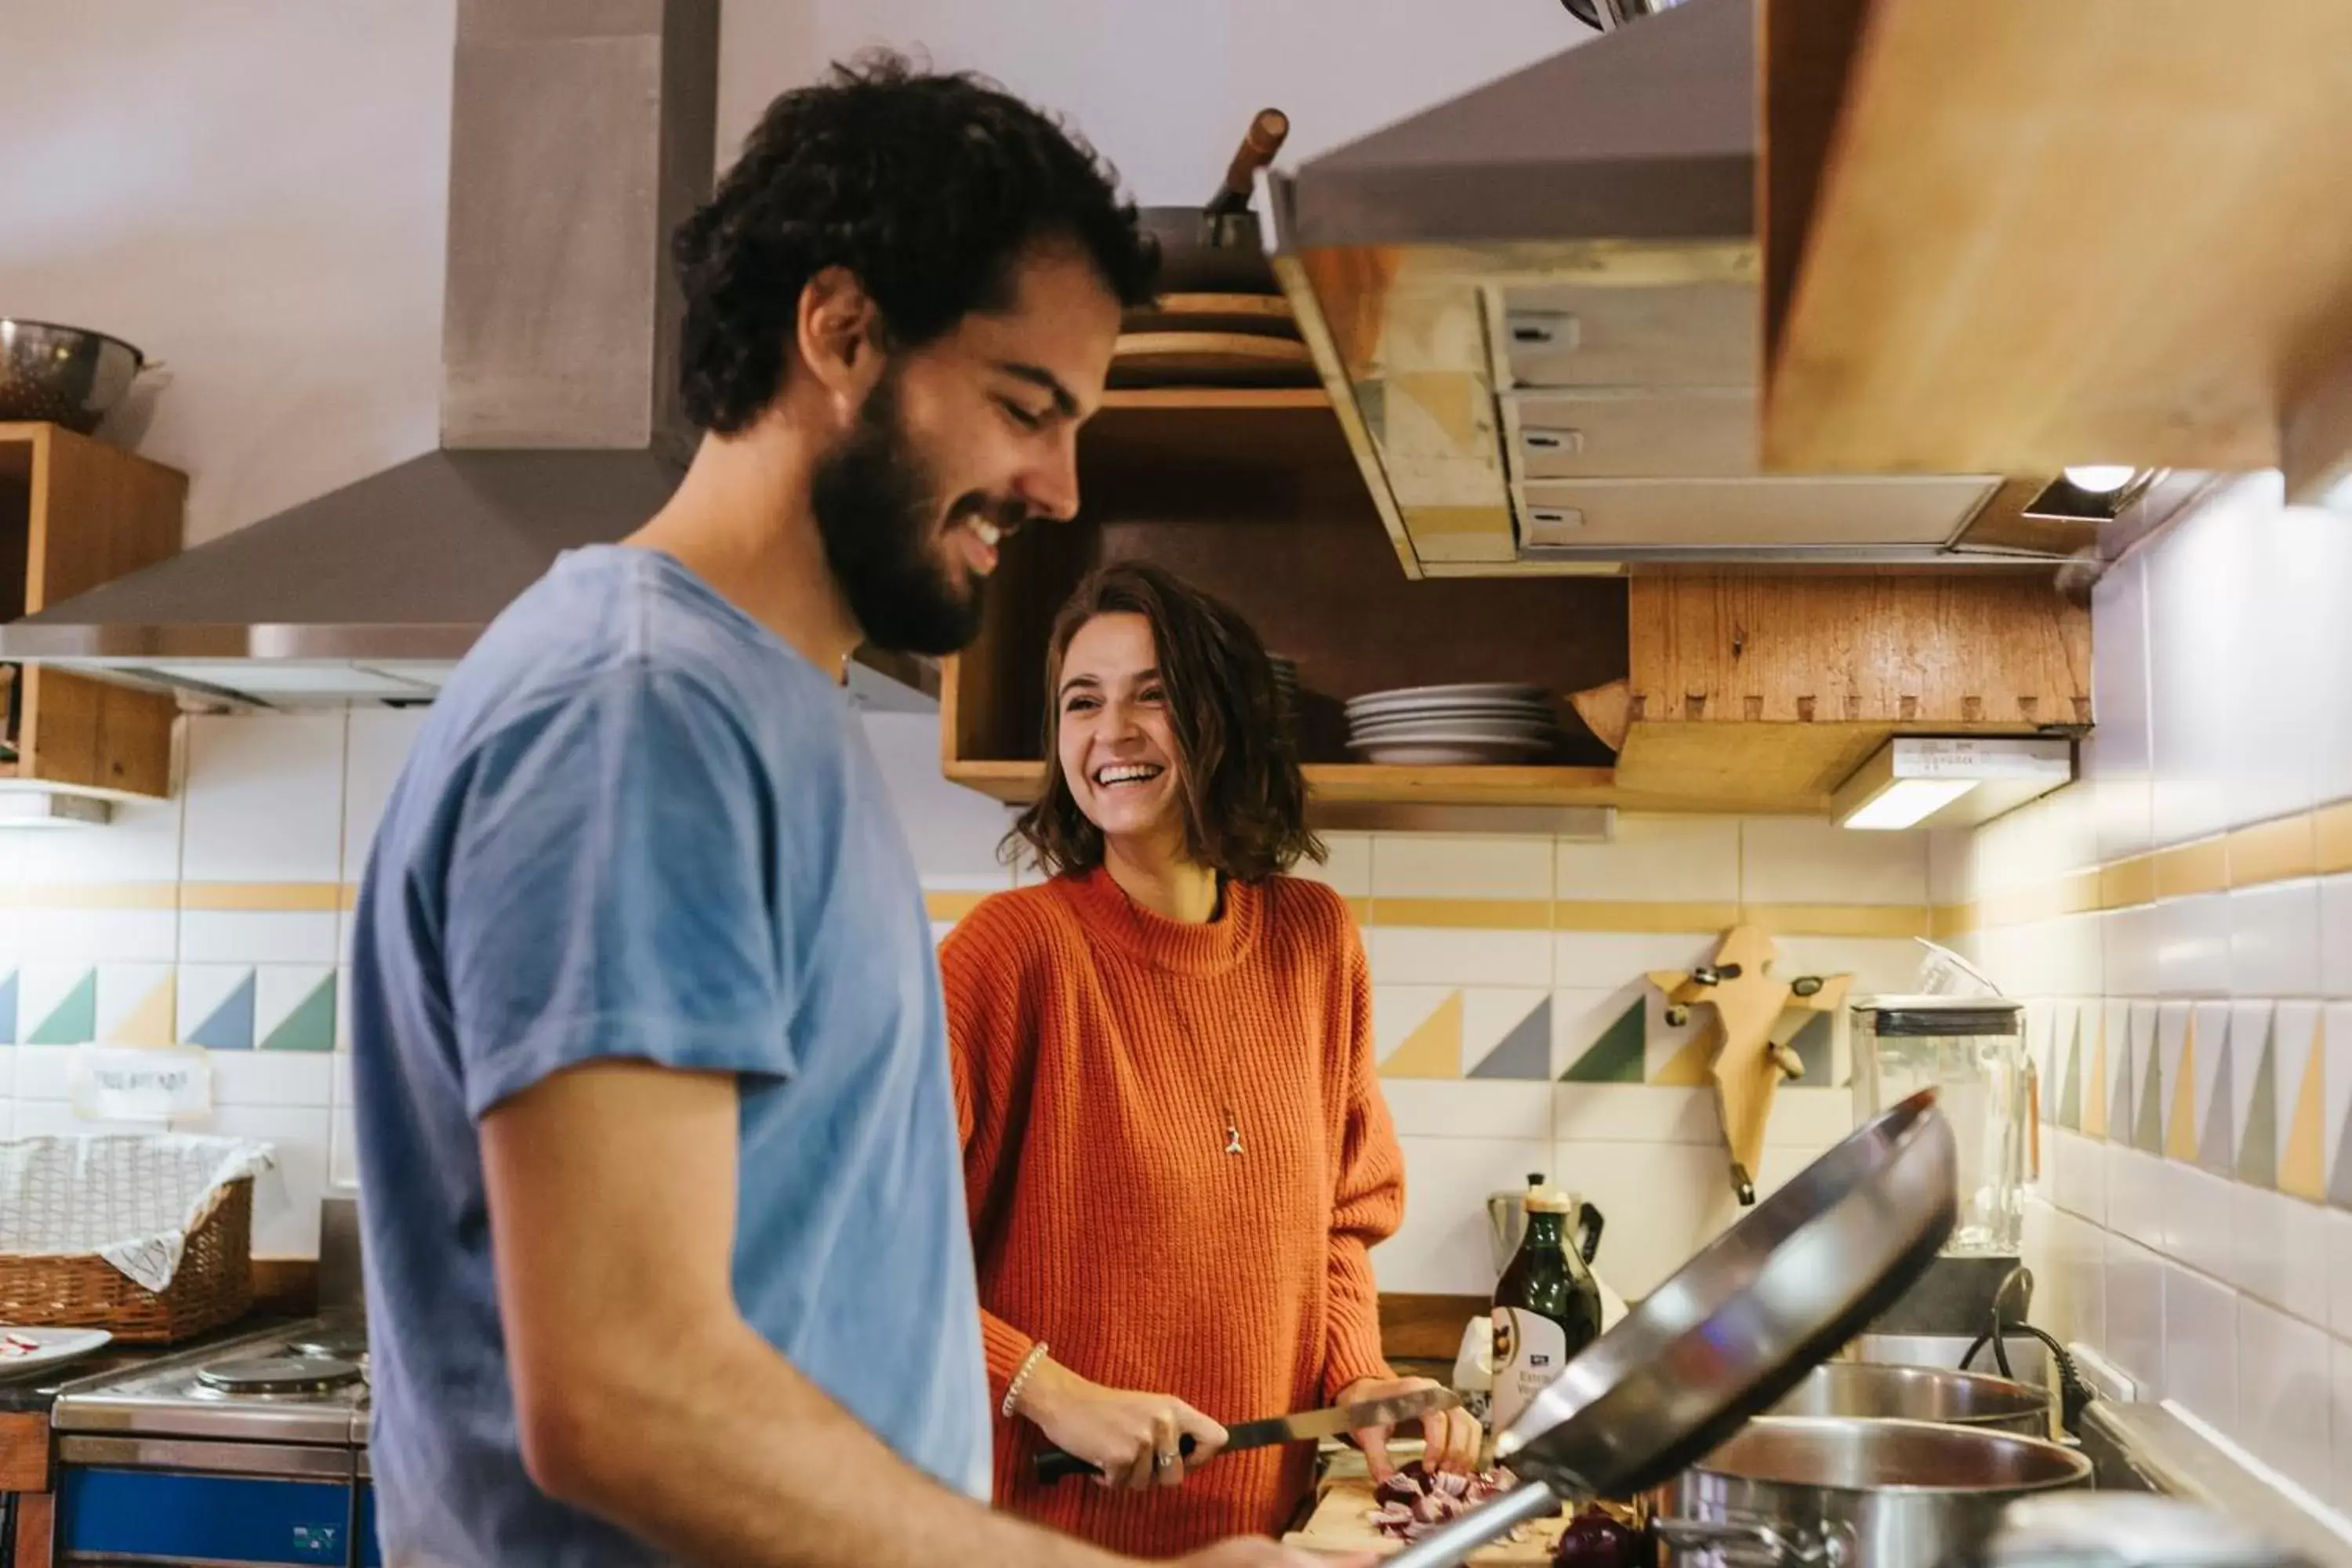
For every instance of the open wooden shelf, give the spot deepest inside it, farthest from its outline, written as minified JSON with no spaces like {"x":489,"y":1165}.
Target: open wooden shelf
{"x":74,"y":513}
{"x":1018,"y":783}
{"x":1743,"y":691}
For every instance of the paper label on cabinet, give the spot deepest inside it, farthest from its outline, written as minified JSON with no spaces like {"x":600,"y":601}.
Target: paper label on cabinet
{"x":1530,"y":1352}
{"x":139,"y":1083}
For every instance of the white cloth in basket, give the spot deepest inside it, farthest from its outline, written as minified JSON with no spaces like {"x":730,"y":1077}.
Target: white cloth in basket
{"x":129,"y":1200}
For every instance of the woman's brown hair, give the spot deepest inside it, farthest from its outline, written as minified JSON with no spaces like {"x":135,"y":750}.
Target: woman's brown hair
{"x":1244,"y":798}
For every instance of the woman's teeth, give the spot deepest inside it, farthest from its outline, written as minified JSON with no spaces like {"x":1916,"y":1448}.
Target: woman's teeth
{"x":1126,"y":772}
{"x":990,"y":535}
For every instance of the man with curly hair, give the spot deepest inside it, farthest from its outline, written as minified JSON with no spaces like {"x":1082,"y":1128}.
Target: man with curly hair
{"x":664,"y":1209}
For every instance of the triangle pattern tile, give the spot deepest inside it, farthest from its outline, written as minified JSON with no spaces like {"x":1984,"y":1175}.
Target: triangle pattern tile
{"x":1615,"y":1055}
{"x":310,"y":1026}
{"x":230,"y":1028}
{"x":74,"y":1019}
{"x":1433,"y":1050}
{"x":2302,"y":1164}
{"x":2070,"y":1088}
{"x":2147,"y":1126}
{"x":2095,"y":1083}
{"x":1690,"y":1068}
{"x":2217,"y":1144}
{"x":2118,"y":1087}
{"x":150,"y":1022}
{"x":2180,"y":1126}
{"x":2257,"y":1150}
{"x":8,"y":1009}
{"x":1816,"y":1047}
{"x":2339,"y":1182}
{"x":1525,"y":1054}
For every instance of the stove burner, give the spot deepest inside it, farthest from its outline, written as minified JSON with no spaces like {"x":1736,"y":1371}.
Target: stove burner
{"x":279,"y":1374}
{"x":335,"y":1344}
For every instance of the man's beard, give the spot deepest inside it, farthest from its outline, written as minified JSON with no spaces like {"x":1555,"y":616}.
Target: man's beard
{"x":878,"y":511}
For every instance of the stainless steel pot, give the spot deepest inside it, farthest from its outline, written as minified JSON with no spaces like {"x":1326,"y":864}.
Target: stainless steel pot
{"x":1839,"y":1492}
{"x":67,"y":374}
{"x":1920,"y":1394}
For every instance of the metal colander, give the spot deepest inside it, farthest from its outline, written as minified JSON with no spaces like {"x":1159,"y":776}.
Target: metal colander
{"x":66,"y":375}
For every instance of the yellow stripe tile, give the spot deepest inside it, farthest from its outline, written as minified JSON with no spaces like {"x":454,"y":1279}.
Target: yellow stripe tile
{"x":1953,"y":920}
{"x":2273,"y":851}
{"x":2331,"y":827}
{"x":2125,"y":883}
{"x":1841,"y":920}
{"x":951,"y":906}
{"x":272,"y":897}
{"x":1464,"y":914}
{"x":1361,"y":910}
{"x":1630,"y":915}
{"x":2187,"y":870}
{"x":99,"y":896}
{"x":2078,"y":892}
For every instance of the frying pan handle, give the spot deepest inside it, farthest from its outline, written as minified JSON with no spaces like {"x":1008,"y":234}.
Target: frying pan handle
{"x":1744,"y":1543}
{"x":1258,"y":147}
{"x":1451,"y":1543}
{"x":1055,"y":1465}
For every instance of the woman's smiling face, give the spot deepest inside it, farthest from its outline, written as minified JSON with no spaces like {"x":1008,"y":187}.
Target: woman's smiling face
{"x":1117,"y":749}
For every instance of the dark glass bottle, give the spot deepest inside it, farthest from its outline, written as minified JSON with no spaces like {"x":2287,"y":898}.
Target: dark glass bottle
{"x":1546,"y":1307}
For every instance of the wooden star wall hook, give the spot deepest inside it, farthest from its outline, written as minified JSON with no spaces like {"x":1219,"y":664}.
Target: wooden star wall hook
{"x":1757,"y":1018}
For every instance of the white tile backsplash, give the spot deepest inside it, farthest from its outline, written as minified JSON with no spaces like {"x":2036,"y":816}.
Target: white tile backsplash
{"x":1425,"y":955}
{"x":2280,"y":1417}
{"x":2200,"y":1337}
{"x":1443,"y":1245}
{"x":1662,"y":859}
{"x":2280,"y":1253}
{"x":1811,"y":860}
{"x":2274,"y":938}
{"x":1424,"y":866}
{"x":265,"y":798}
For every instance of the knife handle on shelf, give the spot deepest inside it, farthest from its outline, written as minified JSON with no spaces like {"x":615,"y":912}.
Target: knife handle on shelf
{"x":1054,"y":1465}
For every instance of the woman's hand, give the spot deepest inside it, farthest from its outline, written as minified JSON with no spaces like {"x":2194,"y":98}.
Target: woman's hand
{"x":1134,"y":1439}
{"x":1450,"y":1438}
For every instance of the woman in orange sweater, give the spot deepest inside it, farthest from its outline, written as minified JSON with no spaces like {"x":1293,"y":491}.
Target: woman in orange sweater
{"x":1175,"y":1148}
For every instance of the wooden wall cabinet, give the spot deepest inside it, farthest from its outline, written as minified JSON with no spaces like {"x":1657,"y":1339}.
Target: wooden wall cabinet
{"x":74,"y":513}
{"x":1738,"y":691}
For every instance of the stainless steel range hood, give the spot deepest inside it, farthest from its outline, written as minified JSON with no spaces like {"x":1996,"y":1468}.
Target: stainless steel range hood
{"x":580,"y":136}
{"x":1537,"y":311}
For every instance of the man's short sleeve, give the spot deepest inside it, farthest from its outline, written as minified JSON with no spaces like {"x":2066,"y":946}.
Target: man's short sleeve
{"x":609,"y":892}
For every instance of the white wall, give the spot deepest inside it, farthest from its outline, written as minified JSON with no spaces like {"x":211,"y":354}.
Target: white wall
{"x":251,"y":191}
{"x":1164,"y":90}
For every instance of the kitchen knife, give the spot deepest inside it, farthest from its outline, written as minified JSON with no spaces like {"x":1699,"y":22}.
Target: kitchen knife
{"x":1305,"y":1426}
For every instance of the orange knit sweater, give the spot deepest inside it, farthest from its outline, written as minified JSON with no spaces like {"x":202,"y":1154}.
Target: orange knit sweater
{"x":1099,"y":1051}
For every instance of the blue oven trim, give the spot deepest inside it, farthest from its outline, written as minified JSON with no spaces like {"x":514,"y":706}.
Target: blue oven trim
{"x":230,"y":1519}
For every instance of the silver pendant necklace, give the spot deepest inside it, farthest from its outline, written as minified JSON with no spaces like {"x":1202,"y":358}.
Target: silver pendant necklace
{"x":1184,"y":1019}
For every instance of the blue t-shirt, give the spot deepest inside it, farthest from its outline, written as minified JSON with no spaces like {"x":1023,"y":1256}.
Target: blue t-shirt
{"x":638,"y":825}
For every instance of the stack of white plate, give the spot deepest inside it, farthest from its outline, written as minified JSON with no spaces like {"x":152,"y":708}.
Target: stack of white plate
{"x":1439,"y":726}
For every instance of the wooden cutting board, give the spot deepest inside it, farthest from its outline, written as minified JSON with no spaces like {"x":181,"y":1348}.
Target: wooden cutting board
{"x":1337,"y":1529}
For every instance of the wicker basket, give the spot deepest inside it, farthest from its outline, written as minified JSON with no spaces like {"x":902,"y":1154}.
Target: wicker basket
{"x":214,"y":1284}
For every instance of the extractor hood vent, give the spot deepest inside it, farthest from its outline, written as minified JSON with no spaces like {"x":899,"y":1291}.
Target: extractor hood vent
{"x":580,"y":137}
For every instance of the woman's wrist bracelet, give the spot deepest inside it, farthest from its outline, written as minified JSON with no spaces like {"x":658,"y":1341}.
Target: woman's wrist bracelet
{"x":1021,"y":1378}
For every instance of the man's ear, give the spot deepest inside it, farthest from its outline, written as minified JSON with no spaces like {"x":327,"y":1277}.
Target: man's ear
{"x":838,"y":332}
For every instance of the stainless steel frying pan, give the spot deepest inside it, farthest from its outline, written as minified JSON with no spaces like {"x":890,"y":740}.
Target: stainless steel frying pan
{"x":1731,"y":1332}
